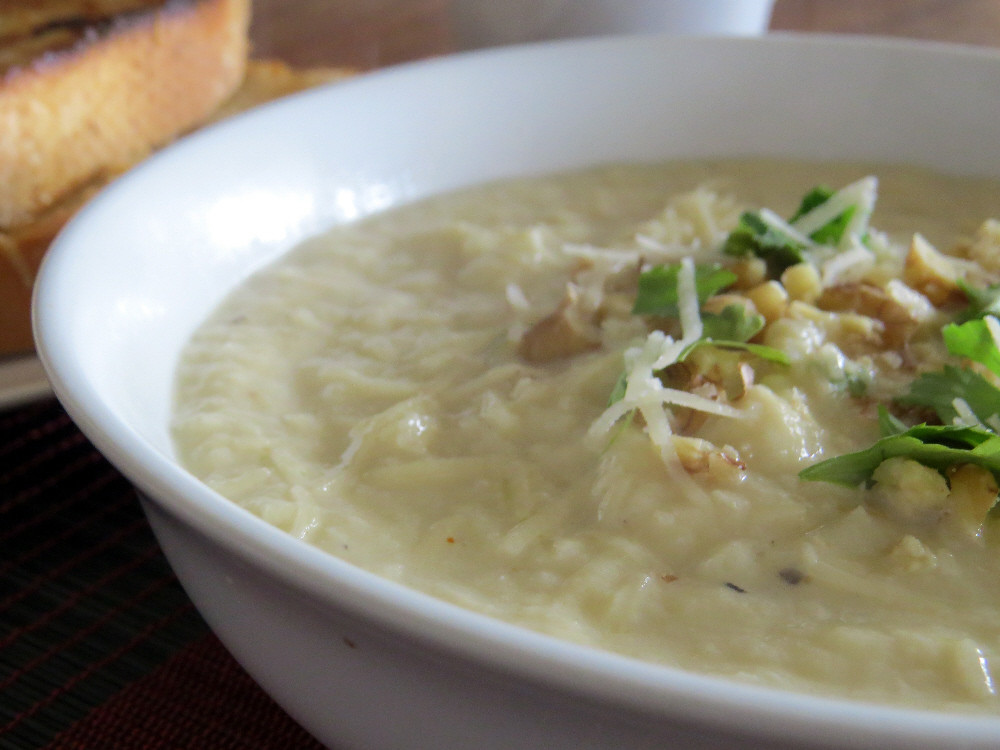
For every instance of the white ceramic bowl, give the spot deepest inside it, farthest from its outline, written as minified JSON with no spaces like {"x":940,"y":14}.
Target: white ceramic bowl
{"x":361,"y":662}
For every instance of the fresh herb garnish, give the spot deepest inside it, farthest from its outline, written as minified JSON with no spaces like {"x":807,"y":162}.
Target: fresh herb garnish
{"x":937,"y":446}
{"x":734,"y":323}
{"x":658,"y":294}
{"x":732,"y":329}
{"x":618,"y":392}
{"x":755,"y":236}
{"x":939,"y":391}
{"x":982,"y":301}
{"x":832,"y":232}
{"x":975,"y":341}
{"x":768,"y":353}
{"x":824,"y":217}
{"x":966,"y":403}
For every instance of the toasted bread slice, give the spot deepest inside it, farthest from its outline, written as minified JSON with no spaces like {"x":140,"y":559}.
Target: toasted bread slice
{"x":21,"y":252}
{"x":26,"y":18}
{"x":123,"y":89}
{"x":23,"y":246}
{"x":30,"y":29}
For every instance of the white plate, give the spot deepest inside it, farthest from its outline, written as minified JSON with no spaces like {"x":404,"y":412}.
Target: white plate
{"x":22,"y":380}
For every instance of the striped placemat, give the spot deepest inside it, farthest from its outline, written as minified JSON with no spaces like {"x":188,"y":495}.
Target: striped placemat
{"x":99,"y":645}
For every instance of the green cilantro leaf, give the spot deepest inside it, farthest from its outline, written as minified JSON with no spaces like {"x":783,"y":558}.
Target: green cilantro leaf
{"x":734,"y":323}
{"x":938,"y":390}
{"x":974,"y":341}
{"x":754,"y":236}
{"x":937,"y":446}
{"x":732,"y":329}
{"x":856,"y":385}
{"x":813,"y":199}
{"x":618,"y":392}
{"x":888,"y":424}
{"x":768,"y":353}
{"x":982,"y":302}
{"x":833,"y":231}
{"x":658,"y":288}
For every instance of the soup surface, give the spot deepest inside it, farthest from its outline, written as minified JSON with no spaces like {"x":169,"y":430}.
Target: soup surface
{"x":583,"y":403}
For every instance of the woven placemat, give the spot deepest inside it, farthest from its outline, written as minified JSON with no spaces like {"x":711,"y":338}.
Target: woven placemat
{"x":99,"y":645}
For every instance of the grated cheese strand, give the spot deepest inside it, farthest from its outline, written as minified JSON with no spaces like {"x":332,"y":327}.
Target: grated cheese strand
{"x":687,"y":302}
{"x":776,"y":222}
{"x":857,"y":260}
{"x":645,"y":392}
{"x":861,"y":194}
{"x":964,"y":416}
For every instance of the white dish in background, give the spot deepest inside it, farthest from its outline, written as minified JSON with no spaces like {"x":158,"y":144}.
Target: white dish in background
{"x":486,"y":23}
{"x":362,"y":662}
{"x":22,"y":380}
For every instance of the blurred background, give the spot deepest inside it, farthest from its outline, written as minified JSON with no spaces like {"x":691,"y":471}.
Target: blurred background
{"x":366,"y":34}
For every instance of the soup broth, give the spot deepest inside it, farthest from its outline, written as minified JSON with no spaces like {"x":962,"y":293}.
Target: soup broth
{"x":463,"y":395}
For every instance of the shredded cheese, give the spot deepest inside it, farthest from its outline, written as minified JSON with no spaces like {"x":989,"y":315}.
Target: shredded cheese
{"x":516,"y":298}
{"x":964,"y":416}
{"x":645,"y":392}
{"x":916,"y":304}
{"x":861,"y":195}
{"x":849,"y":265}
{"x":774,"y":221}
{"x":687,"y":294}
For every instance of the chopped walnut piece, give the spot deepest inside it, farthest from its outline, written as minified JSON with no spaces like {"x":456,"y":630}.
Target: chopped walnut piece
{"x":750,"y":272}
{"x":973,"y":493}
{"x":802,"y":282}
{"x":931,"y":273}
{"x":909,"y":491}
{"x":900,"y":320}
{"x":770,"y":299}
{"x":911,"y":555}
{"x":569,"y":330}
{"x":699,"y":456}
{"x":984,"y":247}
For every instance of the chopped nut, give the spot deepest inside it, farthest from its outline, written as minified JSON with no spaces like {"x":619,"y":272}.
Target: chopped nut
{"x":984,"y":248}
{"x":714,"y":373}
{"x":910,"y":491}
{"x":750,"y":272}
{"x":699,"y":456}
{"x":565,"y":332}
{"x":802,"y":282}
{"x":770,"y":299}
{"x":931,"y":273}
{"x":899,"y":319}
{"x":973,"y":492}
{"x":911,"y":555}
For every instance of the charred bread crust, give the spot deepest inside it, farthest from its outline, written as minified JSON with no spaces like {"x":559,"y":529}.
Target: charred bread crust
{"x":23,"y":246}
{"x":112,"y":97}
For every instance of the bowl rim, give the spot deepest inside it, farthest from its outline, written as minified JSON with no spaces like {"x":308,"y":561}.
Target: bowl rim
{"x":610,"y":678}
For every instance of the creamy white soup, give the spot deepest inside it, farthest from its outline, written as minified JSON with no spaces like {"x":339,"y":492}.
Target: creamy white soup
{"x":739,"y":417}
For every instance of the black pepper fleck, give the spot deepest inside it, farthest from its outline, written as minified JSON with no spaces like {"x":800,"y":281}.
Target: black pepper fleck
{"x":792,"y":576}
